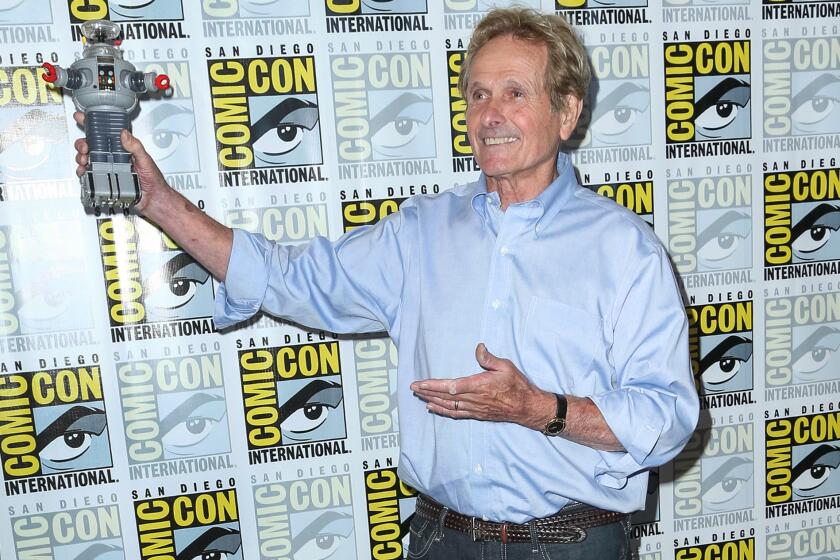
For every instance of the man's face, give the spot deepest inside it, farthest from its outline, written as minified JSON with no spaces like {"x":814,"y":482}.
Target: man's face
{"x":513,"y":131}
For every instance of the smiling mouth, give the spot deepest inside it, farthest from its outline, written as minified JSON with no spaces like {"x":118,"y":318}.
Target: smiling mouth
{"x":500,"y":140}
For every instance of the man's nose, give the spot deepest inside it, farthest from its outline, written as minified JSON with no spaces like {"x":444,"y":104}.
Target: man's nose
{"x":494,"y":112}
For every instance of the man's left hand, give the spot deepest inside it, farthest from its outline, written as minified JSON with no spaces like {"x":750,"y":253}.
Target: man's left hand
{"x":501,"y":393}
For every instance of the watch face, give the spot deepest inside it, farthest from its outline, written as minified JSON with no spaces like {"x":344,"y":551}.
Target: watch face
{"x":555,"y":426}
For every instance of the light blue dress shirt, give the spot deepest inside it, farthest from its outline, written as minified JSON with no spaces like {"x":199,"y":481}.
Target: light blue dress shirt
{"x":575,"y":290}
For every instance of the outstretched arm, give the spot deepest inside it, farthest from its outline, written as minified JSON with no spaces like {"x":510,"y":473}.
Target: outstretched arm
{"x":208,"y":241}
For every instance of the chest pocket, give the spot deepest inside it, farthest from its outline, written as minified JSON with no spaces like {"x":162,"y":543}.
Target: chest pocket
{"x":560,"y":343}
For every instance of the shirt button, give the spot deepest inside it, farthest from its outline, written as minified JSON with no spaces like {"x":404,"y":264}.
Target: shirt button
{"x":504,"y":251}
{"x":477,"y":468}
{"x":496,"y":304}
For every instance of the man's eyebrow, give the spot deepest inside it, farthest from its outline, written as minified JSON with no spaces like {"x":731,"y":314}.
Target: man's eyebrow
{"x":816,"y":85}
{"x":712,"y":97}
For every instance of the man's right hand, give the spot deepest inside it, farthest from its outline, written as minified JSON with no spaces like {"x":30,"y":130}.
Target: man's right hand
{"x":208,"y":241}
{"x":153,"y":185}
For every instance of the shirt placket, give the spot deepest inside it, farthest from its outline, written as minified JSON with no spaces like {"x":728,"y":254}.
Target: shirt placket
{"x":497,"y":324}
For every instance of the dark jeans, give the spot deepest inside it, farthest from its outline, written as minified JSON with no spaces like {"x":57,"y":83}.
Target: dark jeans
{"x":430,"y":541}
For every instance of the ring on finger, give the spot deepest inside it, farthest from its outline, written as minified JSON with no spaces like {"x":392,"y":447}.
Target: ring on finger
{"x":456,"y":404}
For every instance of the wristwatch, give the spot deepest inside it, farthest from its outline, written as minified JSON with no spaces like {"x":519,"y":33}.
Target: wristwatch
{"x":556,"y":425}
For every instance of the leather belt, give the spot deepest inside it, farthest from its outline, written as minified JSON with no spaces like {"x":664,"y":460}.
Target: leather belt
{"x":566,"y":527}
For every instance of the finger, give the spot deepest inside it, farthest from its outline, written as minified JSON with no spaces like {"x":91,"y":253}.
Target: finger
{"x":447,"y":386}
{"x":81,"y":159}
{"x":81,"y":145}
{"x":79,"y":117}
{"x":487,"y":360}
{"x":133,"y":146}
{"x":448,"y":410}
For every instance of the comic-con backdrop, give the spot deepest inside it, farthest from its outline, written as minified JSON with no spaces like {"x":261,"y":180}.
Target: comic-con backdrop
{"x":130,"y":428}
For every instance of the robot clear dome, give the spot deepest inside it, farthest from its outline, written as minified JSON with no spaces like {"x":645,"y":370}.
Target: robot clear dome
{"x":100,"y":30}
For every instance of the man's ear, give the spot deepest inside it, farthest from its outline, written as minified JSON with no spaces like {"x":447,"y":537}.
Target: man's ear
{"x":571,"y":113}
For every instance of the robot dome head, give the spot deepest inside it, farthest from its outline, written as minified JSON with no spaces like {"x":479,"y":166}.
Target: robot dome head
{"x":100,"y":31}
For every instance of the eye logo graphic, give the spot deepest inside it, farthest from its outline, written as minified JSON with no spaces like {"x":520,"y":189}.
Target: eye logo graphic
{"x":265,"y":112}
{"x":714,"y":474}
{"x":226,"y":9}
{"x":707,"y":96}
{"x":294,"y":401}
{"x":53,"y":422}
{"x":149,"y":279}
{"x":803,"y":453}
{"x":617,"y":108}
{"x":173,"y":408}
{"x":383,"y":106}
{"x":721,"y":347}
{"x":803,"y":339}
{"x":801,"y":217}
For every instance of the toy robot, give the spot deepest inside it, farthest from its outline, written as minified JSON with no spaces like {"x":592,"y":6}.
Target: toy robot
{"x":105,"y":87}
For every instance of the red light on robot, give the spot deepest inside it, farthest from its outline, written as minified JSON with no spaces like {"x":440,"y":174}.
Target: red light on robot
{"x":50,"y":75}
{"x":162,"y":82}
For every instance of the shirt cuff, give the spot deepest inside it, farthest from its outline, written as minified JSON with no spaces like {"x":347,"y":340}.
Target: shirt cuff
{"x":241,"y":294}
{"x":631,"y":420}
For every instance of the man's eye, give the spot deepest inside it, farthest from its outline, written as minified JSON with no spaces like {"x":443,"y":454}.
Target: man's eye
{"x":814,"y":360}
{"x":67,"y":446}
{"x":812,"y":239}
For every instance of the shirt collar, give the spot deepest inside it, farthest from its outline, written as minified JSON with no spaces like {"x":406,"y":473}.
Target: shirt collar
{"x":550,"y":201}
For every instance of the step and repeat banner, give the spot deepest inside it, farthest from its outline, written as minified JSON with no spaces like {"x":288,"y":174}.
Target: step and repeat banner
{"x":131,"y":428}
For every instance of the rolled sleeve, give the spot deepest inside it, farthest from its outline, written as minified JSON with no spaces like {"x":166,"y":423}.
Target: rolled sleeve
{"x":654,"y":407}
{"x":350,"y":285}
{"x":241,"y":295}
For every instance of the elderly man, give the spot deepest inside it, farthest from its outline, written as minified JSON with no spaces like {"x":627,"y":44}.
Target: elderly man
{"x":542,"y":340}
